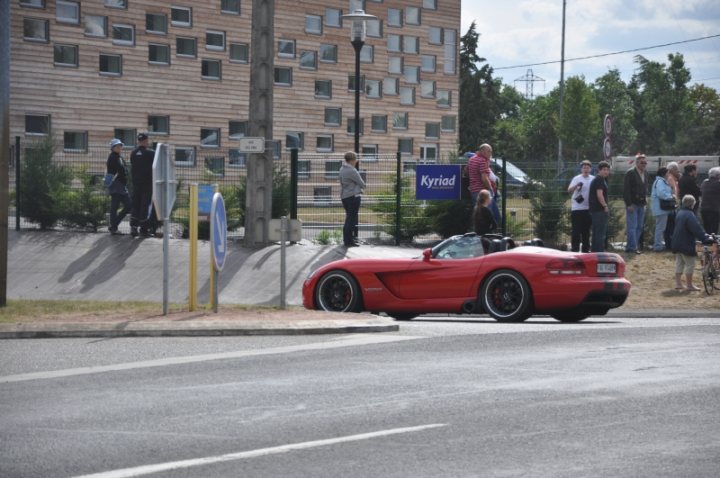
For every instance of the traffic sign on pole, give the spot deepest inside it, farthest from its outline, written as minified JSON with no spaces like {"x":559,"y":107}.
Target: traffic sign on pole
{"x":608,"y":125}
{"x":218,"y":231}
{"x":163,"y":175}
{"x":251,"y":145}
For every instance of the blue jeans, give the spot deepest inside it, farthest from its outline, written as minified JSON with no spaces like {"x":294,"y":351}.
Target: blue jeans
{"x":634,"y":220}
{"x":352,"y":211}
{"x":599,"y":231}
{"x":115,"y":200}
{"x":660,"y":224}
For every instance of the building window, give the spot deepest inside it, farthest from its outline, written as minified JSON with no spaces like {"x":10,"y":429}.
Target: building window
{"x":185,"y":156}
{"x":32,"y":3}
{"x":323,"y":89}
{"x":390,"y":86}
{"x":405,"y":146}
{"x":369,"y":152}
{"x":110,"y":65}
{"x":35,"y":29}
{"x":449,"y":60}
{"x":358,"y":5}
{"x":308,"y":60}
{"x":304,"y":169}
{"x":96,"y":26}
{"x":395,"y":17}
{"x":328,"y":53}
{"x":366,"y":54}
{"x":333,"y":17}
{"x":156,"y":23}
{"x":412,"y":15}
{"x":159,"y":54}
{"x":410,"y":44}
{"x":407,"y":95}
{"x":127,"y":135}
{"x":412,"y":74}
{"x":239,"y":53}
{"x":351,"y":126}
{"x":374,"y":28}
{"x":295,"y":140}
{"x":324,"y":143}
{"x":447,"y":124}
{"x":373,"y":88}
{"x":215,"y":40}
{"x":181,"y":16}
{"x":185,"y":46}
{"x":429,"y":4}
{"x":215,"y":165}
{"x":237,"y":129}
{"x":351,"y":83}
{"x":332,"y":171}
{"x":123,"y":34}
{"x":400,"y":120}
{"x":432,"y":130}
{"x":435,"y":35}
{"x":427,"y":89}
{"x":286,"y":48}
{"x":443,"y":99}
{"x":333,"y":116}
{"x":67,"y":12}
{"x":379,"y":124}
{"x":158,"y":124}
{"x":394,"y":43}
{"x":395,"y":65}
{"x":210,"y":137}
{"x":283,"y":76}
{"x":449,"y":37}
{"x":313,"y":24}
{"x":37,"y":124}
{"x":237,"y":159}
{"x":75,"y":141}
{"x":66,"y":55}
{"x":116,"y":3}
{"x":211,"y":69}
{"x":427,"y":63}
{"x":429,"y":153}
{"x":230,"y":6}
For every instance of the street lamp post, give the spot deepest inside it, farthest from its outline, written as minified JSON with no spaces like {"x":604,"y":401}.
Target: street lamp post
{"x":357,"y":39}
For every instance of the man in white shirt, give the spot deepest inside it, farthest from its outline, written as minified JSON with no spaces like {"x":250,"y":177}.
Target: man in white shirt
{"x":580,"y":217}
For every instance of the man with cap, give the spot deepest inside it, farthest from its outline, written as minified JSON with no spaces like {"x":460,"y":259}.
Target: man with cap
{"x":635,"y":189}
{"x":118,"y":188}
{"x":141,"y":160}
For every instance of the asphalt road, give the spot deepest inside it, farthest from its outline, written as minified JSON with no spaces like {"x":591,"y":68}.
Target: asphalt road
{"x":443,"y":397}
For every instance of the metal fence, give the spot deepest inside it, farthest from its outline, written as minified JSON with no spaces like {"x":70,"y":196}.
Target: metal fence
{"x":386,"y":216}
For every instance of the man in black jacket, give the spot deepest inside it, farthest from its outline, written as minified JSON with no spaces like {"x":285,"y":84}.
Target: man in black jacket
{"x":141,"y":160}
{"x":688,"y":185}
{"x":635,"y":188}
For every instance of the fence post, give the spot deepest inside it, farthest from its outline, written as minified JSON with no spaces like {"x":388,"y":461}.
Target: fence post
{"x":293,"y":183}
{"x":398,"y":196}
{"x":17,"y":183}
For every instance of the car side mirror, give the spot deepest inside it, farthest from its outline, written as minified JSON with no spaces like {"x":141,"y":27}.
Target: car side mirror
{"x":427,"y":254}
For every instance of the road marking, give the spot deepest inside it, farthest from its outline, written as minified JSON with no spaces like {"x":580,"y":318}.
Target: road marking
{"x":175,"y":465}
{"x":347,"y":341}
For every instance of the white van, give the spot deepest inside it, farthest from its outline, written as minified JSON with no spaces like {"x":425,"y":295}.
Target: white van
{"x":620,"y":164}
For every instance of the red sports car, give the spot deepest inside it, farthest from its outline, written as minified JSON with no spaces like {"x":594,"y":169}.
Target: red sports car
{"x":459,"y":276}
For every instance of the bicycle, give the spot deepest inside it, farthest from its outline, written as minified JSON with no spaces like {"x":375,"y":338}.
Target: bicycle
{"x":710,"y":266}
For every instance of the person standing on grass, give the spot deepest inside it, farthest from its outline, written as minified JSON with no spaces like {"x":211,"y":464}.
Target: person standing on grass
{"x":688,"y":185}
{"x":660,"y":190}
{"x":710,"y":205}
{"x":687,"y":231}
{"x":673,"y":179}
{"x":599,"y":207}
{"x":580,"y":217}
{"x":351,"y":188}
{"x":635,"y":187}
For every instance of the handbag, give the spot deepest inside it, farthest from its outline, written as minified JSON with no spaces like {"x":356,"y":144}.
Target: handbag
{"x":109,"y":179}
{"x":668,"y":204}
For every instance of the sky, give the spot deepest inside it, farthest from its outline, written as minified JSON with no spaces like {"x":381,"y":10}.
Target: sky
{"x":521,"y":32}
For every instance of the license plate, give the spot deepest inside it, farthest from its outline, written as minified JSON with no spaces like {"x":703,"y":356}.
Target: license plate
{"x":606,"y":268}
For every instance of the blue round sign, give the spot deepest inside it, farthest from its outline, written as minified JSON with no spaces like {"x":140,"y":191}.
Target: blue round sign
{"x":218,"y":231}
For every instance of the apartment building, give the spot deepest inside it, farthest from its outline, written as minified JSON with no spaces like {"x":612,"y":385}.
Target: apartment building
{"x":87,"y":71}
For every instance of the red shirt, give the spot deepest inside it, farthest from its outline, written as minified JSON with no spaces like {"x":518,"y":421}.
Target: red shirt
{"x":477,"y":166}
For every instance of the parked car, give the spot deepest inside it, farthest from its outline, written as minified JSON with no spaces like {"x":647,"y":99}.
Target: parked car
{"x":459,"y":276}
{"x":517,"y":180}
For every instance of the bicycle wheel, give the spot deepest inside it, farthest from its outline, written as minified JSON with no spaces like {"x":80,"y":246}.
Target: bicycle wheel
{"x":716,"y":271}
{"x":709,"y":274}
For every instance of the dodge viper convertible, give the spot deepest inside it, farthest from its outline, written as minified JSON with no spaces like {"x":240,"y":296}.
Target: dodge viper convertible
{"x":463,"y":275}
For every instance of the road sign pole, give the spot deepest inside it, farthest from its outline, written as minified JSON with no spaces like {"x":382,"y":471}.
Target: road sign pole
{"x":283,"y":237}
{"x":193,"y":237}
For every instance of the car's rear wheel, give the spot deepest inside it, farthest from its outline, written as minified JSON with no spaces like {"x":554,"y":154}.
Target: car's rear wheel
{"x":570,"y":316}
{"x":505,"y":295}
{"x":402,"y":315}
{"x":337,"y":291}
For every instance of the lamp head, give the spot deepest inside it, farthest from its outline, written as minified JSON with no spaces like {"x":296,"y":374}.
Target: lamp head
{"x":359,"y":19}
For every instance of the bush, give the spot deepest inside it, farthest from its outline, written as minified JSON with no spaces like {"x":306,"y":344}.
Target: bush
{"x":548,"y":211}
{"x":414,"y":220}
{"x":85,"y":208}
{"x":449,"y":218}
{"x":326,"y":237}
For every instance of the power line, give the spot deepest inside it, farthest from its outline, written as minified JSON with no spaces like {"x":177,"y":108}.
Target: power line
{"x":607,"y":54}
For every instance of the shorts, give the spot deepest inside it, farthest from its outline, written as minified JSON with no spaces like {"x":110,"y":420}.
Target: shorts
{"x":684,"y":263}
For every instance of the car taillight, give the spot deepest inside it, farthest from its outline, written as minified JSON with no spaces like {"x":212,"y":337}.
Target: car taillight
{"x":566,"y":267}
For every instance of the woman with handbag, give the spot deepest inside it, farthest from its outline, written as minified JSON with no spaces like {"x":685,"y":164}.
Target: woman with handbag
{"x":117,"y":175}
{"x":662,"y":203}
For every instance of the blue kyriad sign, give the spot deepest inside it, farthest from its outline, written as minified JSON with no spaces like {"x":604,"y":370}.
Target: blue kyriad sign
{"x":437,"y":181}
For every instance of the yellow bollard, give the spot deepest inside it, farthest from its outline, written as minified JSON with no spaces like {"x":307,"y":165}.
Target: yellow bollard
{"x":193,"y":225}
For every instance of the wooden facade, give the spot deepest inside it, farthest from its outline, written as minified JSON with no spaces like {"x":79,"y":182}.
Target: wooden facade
{"x":79,"y":98}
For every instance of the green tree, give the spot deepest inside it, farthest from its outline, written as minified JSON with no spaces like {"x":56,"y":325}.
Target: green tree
{"x":701,"y":134}
{"x":613,"y":98}
{"x":581,"y":126}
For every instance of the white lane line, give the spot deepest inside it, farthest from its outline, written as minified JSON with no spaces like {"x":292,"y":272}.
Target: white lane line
{"x":175,"y":465}
{"x":349,"y":341}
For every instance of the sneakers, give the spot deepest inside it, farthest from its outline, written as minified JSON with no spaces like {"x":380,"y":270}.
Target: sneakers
{"x":134,"y":232}
{"x":114,"y":231}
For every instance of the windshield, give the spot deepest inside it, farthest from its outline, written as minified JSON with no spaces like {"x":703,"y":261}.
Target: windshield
{"x":459,"y":247}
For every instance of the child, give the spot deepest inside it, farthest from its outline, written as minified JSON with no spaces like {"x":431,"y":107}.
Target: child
{"x":483,"y":220}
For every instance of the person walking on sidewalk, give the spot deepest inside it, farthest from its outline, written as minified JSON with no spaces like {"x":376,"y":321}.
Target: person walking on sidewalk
{"x":351,"y":188}
{"x":635,"y":188}
{"x":141,"y":161}
{"x":118,"y":188}
{"x":580,"y":217}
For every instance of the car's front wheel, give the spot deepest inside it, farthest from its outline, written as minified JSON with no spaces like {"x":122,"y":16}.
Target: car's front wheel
{"x":337,"y":291}
{"x":505,"y":295}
